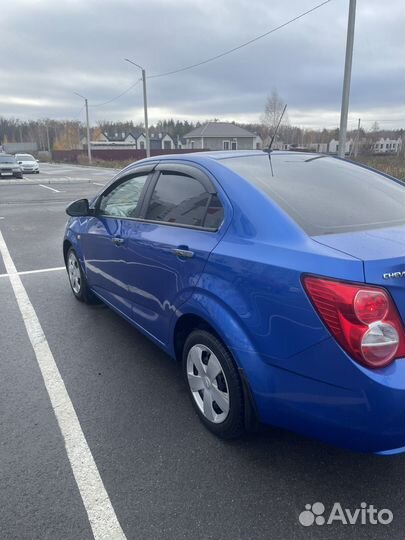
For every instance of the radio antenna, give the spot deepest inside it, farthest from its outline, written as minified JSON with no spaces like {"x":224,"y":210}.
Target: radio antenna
{"x":274,"y":136}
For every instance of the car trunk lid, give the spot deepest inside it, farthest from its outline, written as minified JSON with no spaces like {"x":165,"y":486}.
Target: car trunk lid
{"x":382,"y":252}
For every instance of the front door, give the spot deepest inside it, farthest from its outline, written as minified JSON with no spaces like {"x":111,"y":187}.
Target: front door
{"x":104,"y":243}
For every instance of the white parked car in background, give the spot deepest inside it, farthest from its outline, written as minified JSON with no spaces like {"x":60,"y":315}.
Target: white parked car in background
{"x":28,"y":163}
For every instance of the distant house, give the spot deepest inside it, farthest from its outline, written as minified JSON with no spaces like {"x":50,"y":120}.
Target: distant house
{"x":101,"y":137}
{"x":387,"y":146}
{"x":103,"y":141}
{"x":135,"y":139}
{"x":321,"y":148}
{"x":162,"y":141}
{"x":258,"y":143}
{"x":334,"y":146}
{"x":220,"y":136}
{"x":278,"y":144}
{"x":181,"y":143}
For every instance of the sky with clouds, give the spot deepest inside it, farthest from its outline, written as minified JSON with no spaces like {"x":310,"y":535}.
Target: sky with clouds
{"x":53,"y":48}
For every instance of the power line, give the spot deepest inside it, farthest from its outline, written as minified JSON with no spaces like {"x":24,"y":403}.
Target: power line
{"x":116,"y":97}
{"x":216,"y":57}
{"x":238,"y":47}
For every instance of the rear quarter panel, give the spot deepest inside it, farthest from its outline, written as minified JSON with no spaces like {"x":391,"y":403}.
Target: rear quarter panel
{"x":251,"y":286}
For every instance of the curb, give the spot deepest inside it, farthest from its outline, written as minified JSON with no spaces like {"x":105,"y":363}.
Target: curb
{"x":38,"y":182}
{"x":62,"y":163}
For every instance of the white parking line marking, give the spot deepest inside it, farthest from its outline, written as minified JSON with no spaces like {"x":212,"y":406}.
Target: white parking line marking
{"x":47,"y":187}
{"x":101,"y":514}
{"x":40,"y":271}
{"x":97,"y":184}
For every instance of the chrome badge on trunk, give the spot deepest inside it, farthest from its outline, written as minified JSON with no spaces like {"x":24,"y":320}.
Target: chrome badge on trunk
{"x":392,"y":275}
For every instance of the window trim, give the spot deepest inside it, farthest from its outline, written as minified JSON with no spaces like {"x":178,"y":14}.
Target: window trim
{"x":170,"y":224}
{"x":223,"y":145}
{"x":189,"y":170}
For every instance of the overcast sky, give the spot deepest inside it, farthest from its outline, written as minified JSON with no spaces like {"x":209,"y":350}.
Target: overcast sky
{"x":51,"y":48}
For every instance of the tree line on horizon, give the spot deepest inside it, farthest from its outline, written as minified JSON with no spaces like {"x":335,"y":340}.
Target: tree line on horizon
{"x":67,"y":134}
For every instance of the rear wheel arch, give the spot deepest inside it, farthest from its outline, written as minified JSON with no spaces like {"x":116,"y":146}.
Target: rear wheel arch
{"x":183,"y":328}
{"x":209,"y":312}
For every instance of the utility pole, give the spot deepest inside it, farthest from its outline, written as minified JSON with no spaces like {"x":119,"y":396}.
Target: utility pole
{"x":47,"y":140}
{"x":88,"y":131}
{"x":145,"y":104}
{"x":86,"y":103}
{"x":145,"y":111}
{"x":347,"y":79}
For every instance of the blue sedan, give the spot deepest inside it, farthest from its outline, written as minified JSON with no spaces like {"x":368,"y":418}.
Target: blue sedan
{"x":278,"y":280}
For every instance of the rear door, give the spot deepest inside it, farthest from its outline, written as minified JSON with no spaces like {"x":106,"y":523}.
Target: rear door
{"x":181,"y":222}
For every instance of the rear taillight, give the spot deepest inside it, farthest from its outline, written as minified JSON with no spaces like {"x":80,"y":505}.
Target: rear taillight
{"x":363,"y":319}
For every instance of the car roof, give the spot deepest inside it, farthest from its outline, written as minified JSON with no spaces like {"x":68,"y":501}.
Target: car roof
{"x":219,"y":155}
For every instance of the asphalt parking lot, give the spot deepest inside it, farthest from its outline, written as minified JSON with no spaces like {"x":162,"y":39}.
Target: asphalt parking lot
{"x":165,"y":475}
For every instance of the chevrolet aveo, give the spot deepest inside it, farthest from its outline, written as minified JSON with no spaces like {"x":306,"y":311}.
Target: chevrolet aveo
{"x":277,"y":280}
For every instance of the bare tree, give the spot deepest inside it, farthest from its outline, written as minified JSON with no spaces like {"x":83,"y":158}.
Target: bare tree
{"x":272,"y":111}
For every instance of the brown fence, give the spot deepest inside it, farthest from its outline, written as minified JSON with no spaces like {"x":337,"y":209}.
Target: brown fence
{"x":125,"y":154}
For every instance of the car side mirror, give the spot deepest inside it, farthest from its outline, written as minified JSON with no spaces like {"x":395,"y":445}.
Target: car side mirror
{"x":79,"y":208}
{"x":20,"y":163}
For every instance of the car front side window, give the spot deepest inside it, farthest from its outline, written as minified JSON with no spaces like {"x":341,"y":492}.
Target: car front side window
{"x":122,"y":201}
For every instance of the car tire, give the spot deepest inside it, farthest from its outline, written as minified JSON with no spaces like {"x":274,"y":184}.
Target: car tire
{"x":210,"y":375}
{"x":20,"y":176}
{"x":77,"y":279}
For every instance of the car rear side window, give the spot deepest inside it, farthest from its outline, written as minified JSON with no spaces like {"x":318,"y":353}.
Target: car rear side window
{"x":215,"y":213}
{"x":122,"y":200}
{"x":325,"y":195}
{"x":182,"y":200}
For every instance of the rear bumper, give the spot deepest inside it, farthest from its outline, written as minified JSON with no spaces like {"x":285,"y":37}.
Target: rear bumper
{"x":366,"y":414}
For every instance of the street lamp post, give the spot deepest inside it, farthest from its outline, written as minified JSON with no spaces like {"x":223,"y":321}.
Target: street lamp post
{"x":87,"y":126}
{"x":145,"y":104}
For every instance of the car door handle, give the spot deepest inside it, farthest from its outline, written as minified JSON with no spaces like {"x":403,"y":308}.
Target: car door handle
{"x":117,"y":241}
{"x":183,"y":253}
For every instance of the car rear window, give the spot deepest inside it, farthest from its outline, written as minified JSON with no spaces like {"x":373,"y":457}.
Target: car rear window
{"x":325,"y":195}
